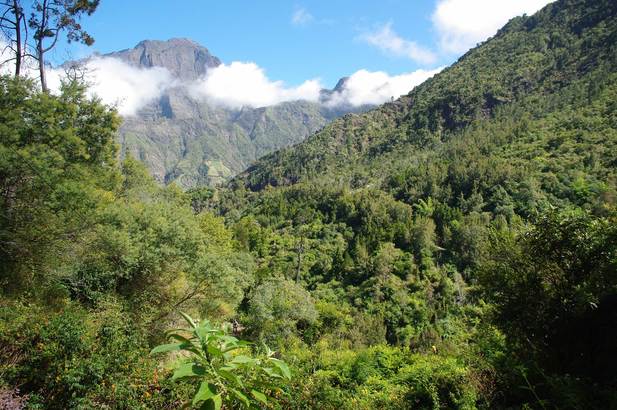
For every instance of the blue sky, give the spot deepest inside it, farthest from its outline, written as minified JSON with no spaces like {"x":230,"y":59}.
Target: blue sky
{"x":275,"y":51}
{"x":263,"y":32}
{"x":296,"y":41}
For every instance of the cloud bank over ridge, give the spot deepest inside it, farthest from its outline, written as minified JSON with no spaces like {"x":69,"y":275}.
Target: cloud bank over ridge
{"x":461,"y":24}
{"x":233,"y":86}
{"x":246,"y":84}
{"x":376,"y":87}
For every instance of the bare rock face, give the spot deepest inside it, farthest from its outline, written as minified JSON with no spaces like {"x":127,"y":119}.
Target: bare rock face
{"x":184,"y":58}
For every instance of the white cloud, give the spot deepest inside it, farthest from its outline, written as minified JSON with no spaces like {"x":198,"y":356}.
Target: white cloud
{"x":233,"y":85}
{"x":366,"y":87}
{"x":246,"y":84}
{"x":461,"y":24}
{"x":115,"y":82}
{"x":301,"y":17}
{"x":388,"y":41}
{"x":129,"y":87}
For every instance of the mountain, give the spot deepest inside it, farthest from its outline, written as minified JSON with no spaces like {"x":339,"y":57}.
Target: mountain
{"x":474,"y":216}
{"x":183,"y":139}
{"x":185,"y":59}
{"x":512,"y":99}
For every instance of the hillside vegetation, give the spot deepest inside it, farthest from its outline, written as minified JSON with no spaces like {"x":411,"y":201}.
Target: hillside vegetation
{"x":456,"y":248}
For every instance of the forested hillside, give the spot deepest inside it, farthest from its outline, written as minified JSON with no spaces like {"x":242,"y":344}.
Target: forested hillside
{"x":475,"y":214}
{"x":456,"y":248}
{"x":535,"y":72}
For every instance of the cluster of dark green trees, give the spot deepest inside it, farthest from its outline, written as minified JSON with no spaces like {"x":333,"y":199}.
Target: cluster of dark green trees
{"x":456,"y":248}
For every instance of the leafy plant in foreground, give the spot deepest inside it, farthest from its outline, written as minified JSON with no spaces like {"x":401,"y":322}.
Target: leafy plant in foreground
{"x":225,"y":375}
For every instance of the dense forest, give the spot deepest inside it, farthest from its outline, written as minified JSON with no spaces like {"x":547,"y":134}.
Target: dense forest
{"x":455,"y":248}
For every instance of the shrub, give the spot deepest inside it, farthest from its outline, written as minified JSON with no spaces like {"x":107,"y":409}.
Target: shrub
{"x":222,"y":373}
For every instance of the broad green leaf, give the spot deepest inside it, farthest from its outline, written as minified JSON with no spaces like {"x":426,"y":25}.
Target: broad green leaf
{"x":239,"y":345}
{"x":167,"y":348}
{"x":230,"y":376}
{"x":214,"y":351}
{"x":242,"y":359}
{"x":205,"y":392}
{"x":180,"y":338}
{"x":177,"y":346}
{"x":245,"y":400}
{"x":203,"y":334}
{"x":188,"y":370}
{"x":229,"y":339}
{"x":259,"y":396}
{"x":270,"y":372}
{"x":189,"y":319}
{"x":282,"y":367}
{"x":218,"y":402}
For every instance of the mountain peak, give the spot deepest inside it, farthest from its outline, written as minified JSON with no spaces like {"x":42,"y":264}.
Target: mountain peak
{"x":340,"y":85}
{"x":172,"y":42}
{"x":184,"y":58}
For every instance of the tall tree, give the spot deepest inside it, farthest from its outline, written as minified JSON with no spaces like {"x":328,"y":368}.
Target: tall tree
{"x":14,"y":28}
{"x":50,"y":18}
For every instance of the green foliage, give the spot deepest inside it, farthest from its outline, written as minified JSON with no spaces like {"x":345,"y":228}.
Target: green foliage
{"x":434,"y":215}
{"x":455,"y":248}
{"x":553,"y":288}
{"x":224,"y":375}
{"x":57,"y":157}
{"x":278,"y":308}
{"x":381,"y":377}
{"x":95,"y":257}
{"x":78,"y":359}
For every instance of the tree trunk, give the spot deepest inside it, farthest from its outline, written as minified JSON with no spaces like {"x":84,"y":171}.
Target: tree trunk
{"x":40,"y":50}
{"x":18,"y":50}
{"x":41,"y":58}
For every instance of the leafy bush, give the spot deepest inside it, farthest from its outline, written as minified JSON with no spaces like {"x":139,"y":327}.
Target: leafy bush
{"x":75,"y":359}
{"x":278,"y":308}
{"x":380,"y":377}
{"x":223,"y":375}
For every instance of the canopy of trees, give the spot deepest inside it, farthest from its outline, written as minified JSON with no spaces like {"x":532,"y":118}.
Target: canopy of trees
{"x":456,"y":248}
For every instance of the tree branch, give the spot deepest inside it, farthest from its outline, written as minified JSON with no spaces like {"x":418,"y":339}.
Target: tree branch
{"x":53,"y":44}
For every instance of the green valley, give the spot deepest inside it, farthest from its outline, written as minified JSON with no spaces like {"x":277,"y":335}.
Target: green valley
{"x":455,"y":248}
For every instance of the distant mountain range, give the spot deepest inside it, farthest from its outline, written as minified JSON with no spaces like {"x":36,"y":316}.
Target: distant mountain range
{"x":184,"y":139}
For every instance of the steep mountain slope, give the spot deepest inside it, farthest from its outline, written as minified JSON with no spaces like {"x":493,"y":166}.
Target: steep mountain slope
{"x":464,"y":215}
{"x":190,"y":142}
{"x":184,"y":139}
{"x":520,"y":98}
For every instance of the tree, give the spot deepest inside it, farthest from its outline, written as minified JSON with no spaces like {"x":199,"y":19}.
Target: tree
{"x":50,"y":18}
{"x":279,"y":307}
{"x":13,"y":26}
{"x":554,"y":294}
{"x":56,"y":153}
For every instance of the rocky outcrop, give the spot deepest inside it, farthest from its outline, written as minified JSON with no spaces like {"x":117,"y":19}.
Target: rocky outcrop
{"x":184,"y":58}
